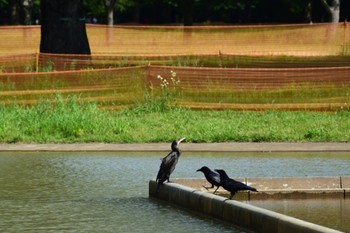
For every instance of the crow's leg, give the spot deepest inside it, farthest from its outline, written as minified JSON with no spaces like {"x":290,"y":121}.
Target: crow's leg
{"x":216,"y":189}
{"x":207,"y":188}
{"x":232,"y":194}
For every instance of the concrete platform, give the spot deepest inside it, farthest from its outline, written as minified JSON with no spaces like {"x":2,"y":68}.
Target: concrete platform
{"x":345,"y":182}
{"x":195,"y":147}
{"x":241,"y":214}
{"x":282,"y":187}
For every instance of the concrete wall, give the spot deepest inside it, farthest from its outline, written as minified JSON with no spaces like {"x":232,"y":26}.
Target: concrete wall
{"x":238,"y":213}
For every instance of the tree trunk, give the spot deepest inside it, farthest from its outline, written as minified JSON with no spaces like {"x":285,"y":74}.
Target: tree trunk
{"x":109,"y":4}
{"x":27,"y":11}
{"x":333,"y":10}
{"x":136,"y":13}
{"x":110,"y":15}
{"x":187,"y":8}
{"x":14,"y":12}
{"x":308,"y":10}
{"x":63,"y":27}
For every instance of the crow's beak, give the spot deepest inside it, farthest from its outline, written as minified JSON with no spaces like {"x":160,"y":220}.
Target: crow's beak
{"x":198,"y":170}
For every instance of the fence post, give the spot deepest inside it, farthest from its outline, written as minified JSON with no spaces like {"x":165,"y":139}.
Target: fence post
{"x":37,"y":62}
{"x":344,"y":38}
{"x":148,"y":83}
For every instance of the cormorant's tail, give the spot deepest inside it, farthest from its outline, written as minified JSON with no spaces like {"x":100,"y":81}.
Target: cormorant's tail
{"x":159,"y":183}
{"x":158,"y":187}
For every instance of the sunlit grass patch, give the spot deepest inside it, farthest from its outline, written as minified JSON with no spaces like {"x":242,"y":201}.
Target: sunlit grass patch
{"x":68,"y":120}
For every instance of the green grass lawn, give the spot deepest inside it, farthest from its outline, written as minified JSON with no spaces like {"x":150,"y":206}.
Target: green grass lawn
{"x":68,"y":121}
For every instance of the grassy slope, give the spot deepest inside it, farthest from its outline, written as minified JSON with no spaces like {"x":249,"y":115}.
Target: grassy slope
{"x":73,"y":122}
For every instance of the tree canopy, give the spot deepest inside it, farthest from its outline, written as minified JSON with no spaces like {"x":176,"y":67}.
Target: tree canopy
{"x":189,"y":12}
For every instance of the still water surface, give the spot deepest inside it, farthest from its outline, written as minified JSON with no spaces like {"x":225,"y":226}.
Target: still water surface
{"x":329,"y":212}
{"x":108,"y":192}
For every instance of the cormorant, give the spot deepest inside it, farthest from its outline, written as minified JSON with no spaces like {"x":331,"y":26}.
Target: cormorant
{"x":231,"y":185}
{"x":168,"y":163}
{"x":212,"y":177}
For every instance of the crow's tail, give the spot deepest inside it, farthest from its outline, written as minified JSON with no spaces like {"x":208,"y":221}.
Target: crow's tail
{"x":252,"y":189}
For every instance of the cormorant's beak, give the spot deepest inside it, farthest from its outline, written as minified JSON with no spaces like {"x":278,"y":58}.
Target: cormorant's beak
{"x":181,"y":140}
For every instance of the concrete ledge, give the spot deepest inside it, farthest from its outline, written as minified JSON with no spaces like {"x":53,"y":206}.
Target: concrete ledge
{"x":295,"y":183}
{"x":194,"y":147}
{"x":345,"y":182}
{"x":241,"y":214}
{"x":286,"y":187}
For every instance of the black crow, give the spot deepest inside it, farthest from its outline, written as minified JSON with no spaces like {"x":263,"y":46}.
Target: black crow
{"x":168,"y":163}
{"x":212,"y":177}
{"x":231,"y":185}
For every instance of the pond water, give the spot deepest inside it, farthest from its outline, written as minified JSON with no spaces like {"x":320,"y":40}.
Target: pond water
{"x":329,"y":212}
{"x":108,"y":192}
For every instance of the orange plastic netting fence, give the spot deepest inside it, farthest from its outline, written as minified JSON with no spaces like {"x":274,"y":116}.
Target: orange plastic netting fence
{"x":267,"y":67}
{"x":110,"y":87}
{"x":258,"y":88}
{"x":63,"y":62}
{"x":301,"y":40}
{"x":139,"y":45}
{"x":226,"y":88}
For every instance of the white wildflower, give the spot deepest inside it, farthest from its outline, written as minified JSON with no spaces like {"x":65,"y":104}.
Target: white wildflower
{"x":173,"y":74}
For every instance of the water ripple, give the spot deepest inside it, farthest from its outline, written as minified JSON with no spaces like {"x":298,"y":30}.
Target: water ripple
{"x":108,"y":192}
